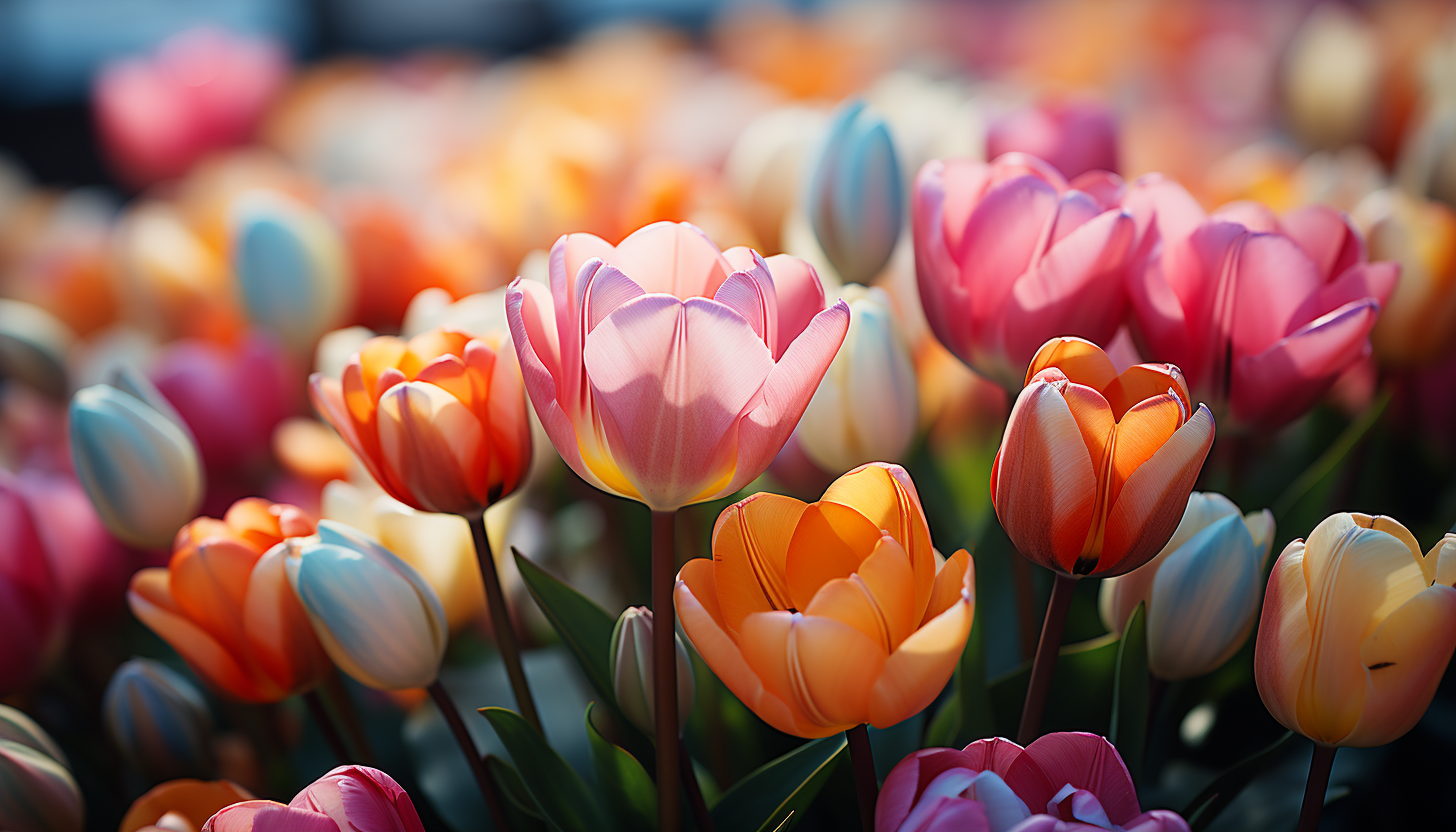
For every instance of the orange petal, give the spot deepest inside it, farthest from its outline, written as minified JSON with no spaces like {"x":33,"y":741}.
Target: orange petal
{"x":1094,"y":419}
{"x":750,"y":547}
{"x":958,"y":574}
{"x":824,"y":667}
{"x":1144,"y":381}
{"x":208,"y":585}
{"x":424,"y":348}
{"x":1140,"y":433}
{"x":278,"y":629}
{"x":829,"y":542}
{"x":152,"y":604}
{"x":887,"y":576}
{"x":885,"y":494}
{"x":449,"y":373}
{"x":196,"y":800}
{"x":848,"y":601}
{"x":917,"y":672}
{"x":428,"y":440}
{"x":1080,"y":360}
{"x":377,"y":355}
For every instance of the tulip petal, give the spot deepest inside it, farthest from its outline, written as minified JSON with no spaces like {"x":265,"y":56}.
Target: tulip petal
{"x":1361,"y":282}
{"x":750,"y":293}
{"x":885,"y":495}
{"x":825,"y":667}
{"x":800,"y":296}
{"x":956,"y":575}
{"x":1080,"y":360}
{"x":1085,"y":761}
{"x":1000,"y":239}
{"x":278,"y":629}
{"x":1264,"y":310}
{"x":1282,"y":646}
{"x":674,"y":258}
{"x":267,"y":816}
{"x":1204,"y":598}
{"x":1282,"y":381}
{"x":750,"y":550}
{"x":1145,"y":381}
{"x":917,"y":671}
{"x":1142,"y":432}
{"x":151,"y":602}
{"x":209,"y":583}
{"x":829,"y":542}
{"x":938,"y":276}
{"x":431,"y":441}
{"x":1405,"y":659}
{"x":1327,"y":236}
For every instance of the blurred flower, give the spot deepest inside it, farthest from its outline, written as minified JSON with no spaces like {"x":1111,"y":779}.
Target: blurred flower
{"x":173,"y":280}
{"x":224,"y":605}
{"x":438,"y":546}
{"x":1073,"y":135}
{"x":765,"y":169}
{"x":672,"y":373}
{"x":1009,"y":254}
{"x":376,"y":616}
{"x":311,"y":450}
{"x":1262,"y":313}
{"x":33,"y":347}
{"x":90,"y":568}
{"x":865,"y":409}
{"x":136,"y":459}
{"x":16,"y":727}
{"x":438,"y":420}
{"x":203,"y":89}
{"x":1417,"y":325}
{"x":1094,"y":470}
{"x":181,"y":805}
{"x":31,"y":606}
{"x":1331,"y":77}
{"x":631,"y":667}
{"x":1201,"y":590}
{"x":856,"y":199}
{"x":823,"y":616}
{"x":929,"y":117}
{"x":349,"y":798}
{"x":291,"y":267}
{"x":1356,"y":631}
{"x":37,"y":791}
{"x":159,"y":720}
{"x":1064,"y":782}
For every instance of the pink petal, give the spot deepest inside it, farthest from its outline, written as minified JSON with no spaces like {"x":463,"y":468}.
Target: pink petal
{"x":1000,"y":240}
{"x":599,"y":294}
{"x":1255,"y":216}
{"x":267,"y":816}
{"x":800,"y":295}
{"x":1086,"y":761}
{"x":1102,"y":185}
{"x":1327,"y":236}
{"x":995,"y":754}
{"x":1163,"y":209}
{"x":907,"y":781}
{"x":1283,"y":381}
{"x":750,"y":293}
{"x":672,"y":258}
{"x":1274,"y":277}
{"x":946,"y":814}
{"x":1363,"y":281}
{"x":938,"y":276}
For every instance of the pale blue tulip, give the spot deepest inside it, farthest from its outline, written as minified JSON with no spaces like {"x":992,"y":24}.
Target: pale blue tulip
{"x":136,"y":459}
{"x":159,"y":720}
{"x":377,"y":618}
{"x":856,"y":197}
{"x":291,"y":267}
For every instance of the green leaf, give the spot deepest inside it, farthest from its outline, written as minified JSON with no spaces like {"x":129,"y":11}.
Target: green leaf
{"x":945,"y":726}
{"x":1202,"y":809}
{"x":977,"y":718}
{"x":622,"y":781}
{"x":1328,"y":463}
{"x":521,"y":808}
{"x":565,"y":800}
{"x":584,"y":627}
{"x":1131,"y":693}
{"x":773,"y":797}
{"x":1081,"y":694}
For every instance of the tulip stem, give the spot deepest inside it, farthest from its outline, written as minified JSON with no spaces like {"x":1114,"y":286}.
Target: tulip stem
{"x":349,"y":715}
{"x":664,"y":666}
{"x":1314,"y":788}
{"x":500,"y":624}
{"x":866,"y":784}
{"x":1045,"y":662}
{"x":695,"y":792}
{"x":472,"y":756}
{"x":320,"y":713}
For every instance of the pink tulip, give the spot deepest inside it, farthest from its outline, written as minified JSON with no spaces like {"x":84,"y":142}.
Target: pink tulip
{"x":1073,"y":135}
{"x":1262,"y":313}
{"x":347,"y":799}
{"x":665,"y":370}
{"x":1009,"y":255}
{"x":31,"y":605}
{"x":91,"y":569}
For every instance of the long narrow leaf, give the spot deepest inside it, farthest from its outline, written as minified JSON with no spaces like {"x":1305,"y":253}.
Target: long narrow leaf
{"x":1202,"y":809}
{"x":1130,"y":693}
{"x":774,"y":796}
{"x":565,"y":800}
{"x":622,"y":782}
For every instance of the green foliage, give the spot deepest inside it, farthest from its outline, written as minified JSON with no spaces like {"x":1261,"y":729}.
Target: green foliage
{"x":1130,"y":693}
{"x":774,"y":797}
{"x":1202,"y":810}
{"x":563,"y":798}
{"x":624,"y":785}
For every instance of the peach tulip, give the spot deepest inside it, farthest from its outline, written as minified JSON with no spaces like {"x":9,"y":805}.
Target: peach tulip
{"x":665,"y":370}
{"x":1417,"y":327}
{"x":827,"y":615}
{"x":178,"y":805}
{"x":224,"y":604}
{"x":1095,"y":468}
{"x":1357,"y":629}
{"x":438,"y":420}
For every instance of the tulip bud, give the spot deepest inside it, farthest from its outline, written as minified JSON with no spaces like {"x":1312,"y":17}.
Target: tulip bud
{"x":765,"y":167}
{"x":291,"y":268}
{"x":632,"y":678}
{"x":866,"y":408}
{"x":33,"y":347}
{"x":376,"y":617}
{"x":856,"y":198}
{"x":159,"y":720}
{"x":136,"y":460}
{"x":37,"y":791}
{"x":17,"y":727}
{"x":1417,"y":325}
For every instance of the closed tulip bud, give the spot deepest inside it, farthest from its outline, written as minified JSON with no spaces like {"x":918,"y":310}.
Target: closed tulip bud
{"x":347,"y":799}
{"x":181,"y":805}
{"x":17,"y":727}
{"x":1094,"y":470}
{"x":631,"y":665}
{"x":291,"y":268}
{"x":1201,"y":590}
{"x":1417,"y":325}
{"x":136,"y":460}
{"x":866,"y":408}
{"x":856,"y":198}
{"x":376,"y":616}
{"x":1356,"y":632}
{"x":159,"y":720}
{"x":37,"y":791}
{"x":765,"y":167}
{"x":1074,"y":136}
{"x":33,"y":347}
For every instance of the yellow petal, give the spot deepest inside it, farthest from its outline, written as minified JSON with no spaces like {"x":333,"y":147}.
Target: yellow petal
{"x":1282,"y":646}
{"x":916,"y":673}
{"x":956,"y":575}
{"x":1405,"y":659}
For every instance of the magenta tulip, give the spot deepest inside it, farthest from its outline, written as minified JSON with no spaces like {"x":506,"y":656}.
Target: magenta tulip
{"x":347,"y":799}
{"x":665,"y":370}
{"x":1262,"y":313}
{"x":1073,"y":135}
{"x":91,"y":569}
{"x":31,"y":605}
{"x":1010,"y":255}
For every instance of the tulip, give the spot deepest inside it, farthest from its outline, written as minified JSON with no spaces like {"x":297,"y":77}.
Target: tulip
{"x":347,"y":799}
{"x":31,"y":604}
{"x":37,"y":791}
{"x":33,"y":347}
{"x":292,"y":271}
{"x":90,"y":568}
{"x":856,"y":199}
{"x":865,"y":409}
{"x":765,"y":167}
{"x":438,"y":420}
{"x":159,"y":720}
{"x":1416,"y":324}
{"x":824,"y":616}
{"x":181,"y":805}
{"x":1201,"y":591}
{"x":1263,"y":313}
{"x":16,"y":727}
{"x":631,"y":668}
{"x":1064,"y":782}
{"x":136,"y":460}
{"x":224,"y":605}
{"x":666,"y":371}
{"x":1331,"y":77}
{"x":377,"y":618}
{"x":1009,"y":254}
{"x":1074,"y":136}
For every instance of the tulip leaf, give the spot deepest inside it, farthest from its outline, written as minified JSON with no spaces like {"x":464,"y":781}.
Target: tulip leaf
{"x":622,"y":781}
{"x":773,"y":797}
{"x":1131,"y":693}
{"x":1081,"y":694}
{"x":584,"y":627}
{"x":1325,"y":466}
{"x":521,"y":808}
{"x":565,"y":800}
{"x":1202,"y":809}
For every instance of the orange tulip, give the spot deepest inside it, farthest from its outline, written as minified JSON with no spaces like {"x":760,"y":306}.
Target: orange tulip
{"x":1095,"y":468}
{"x":183,"y":804}
{"x":224,"y":604}
{"x":439,"y":420}
{"x":827,"y":615}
